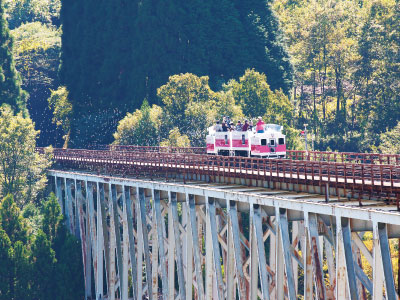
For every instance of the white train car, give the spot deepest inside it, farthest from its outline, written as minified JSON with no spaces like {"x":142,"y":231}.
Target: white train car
{"x":269,"y":144}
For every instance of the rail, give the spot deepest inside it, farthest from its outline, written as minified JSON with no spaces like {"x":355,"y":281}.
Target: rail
{"x":382,"y":181}
{"x":133,"y":148}
{"x":344,"y":157}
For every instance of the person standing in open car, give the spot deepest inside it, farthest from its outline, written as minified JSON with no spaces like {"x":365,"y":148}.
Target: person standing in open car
{"x":260,"y":125}
{"x":239,"y":126}
{"x":218,"y":127}
{"x":224,"y":126}
{"x":245,"y":127}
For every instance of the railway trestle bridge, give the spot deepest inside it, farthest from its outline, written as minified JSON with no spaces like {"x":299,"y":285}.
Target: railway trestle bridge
{"x":157,"y":224}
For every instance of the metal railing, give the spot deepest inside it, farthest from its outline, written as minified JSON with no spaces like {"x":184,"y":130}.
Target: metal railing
{"x":348,"y":157}
{"x":354,"y":178}
{"x":345,"y":157}
{"x":133,"y":148}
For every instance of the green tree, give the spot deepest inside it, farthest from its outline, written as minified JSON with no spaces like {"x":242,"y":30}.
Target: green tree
{"x":68,"y":269}
{"x":390,"y":141}
{"x":140,"y":128}
{"x":11,"y":220}
{"x":51,"y":217}
{"x":254,"y":95}
{"x":22,"y":168}
{"x":176,"y":139}
{"x":33,"y":218}
{"x":226,"y":106}
{"x":181,"y":91}
{"x":37,"y":49}
{"x":280,"y":109}
{"x":26,"y":11}
{"x":34,"y":264}
{"x":62,"y":111}
{"x":10,"y":82}
{"x":378,"y":71}
{"x":251,"y":93}
{"x":267,"y":51}
{"x":22,"y":271}
{"x":189,"y":103}
{"x":6,"y":264}
{"x":43,"y":269}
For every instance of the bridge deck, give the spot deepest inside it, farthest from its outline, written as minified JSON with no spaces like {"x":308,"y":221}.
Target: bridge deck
{"x":327,"y":156}
{"x":348,"y":180}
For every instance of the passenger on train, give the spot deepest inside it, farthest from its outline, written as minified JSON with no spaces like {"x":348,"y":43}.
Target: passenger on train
{"x":260,"y":125}
{"x":218,"y":127}
{"x":251,"y":125}
{"x":224,"y":126}
{"x":245,"y":127}
{"x":238,"y":126}
{"x":227,"y":121}
{"x":231,"y":126}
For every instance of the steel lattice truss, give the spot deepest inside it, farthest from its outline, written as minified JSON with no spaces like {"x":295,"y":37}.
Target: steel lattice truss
{"x":191,"y":240}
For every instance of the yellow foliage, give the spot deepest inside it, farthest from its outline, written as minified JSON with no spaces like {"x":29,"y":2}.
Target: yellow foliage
{"x":176,"y":139}
{"x":23,"y":169}
{"x":141,"y":127}
{"x":35,"y":37}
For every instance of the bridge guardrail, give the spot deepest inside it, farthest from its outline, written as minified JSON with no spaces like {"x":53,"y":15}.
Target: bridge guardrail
{"x":350,"y":157}
{"x":383,"y":180}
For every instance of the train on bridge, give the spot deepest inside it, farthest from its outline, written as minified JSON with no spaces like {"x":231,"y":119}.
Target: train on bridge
{"x":267,"y":143}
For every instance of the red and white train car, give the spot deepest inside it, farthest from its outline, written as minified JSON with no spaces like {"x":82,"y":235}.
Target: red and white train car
{"x":269,"y":144}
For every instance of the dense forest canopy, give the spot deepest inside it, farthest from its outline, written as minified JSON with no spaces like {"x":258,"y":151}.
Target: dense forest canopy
{"x":347,"y":60}
{"x":10,"y":81}
{"x":39,"y":258}
{"x":34,"y":27}
{"x":344,"y":79}
{"x":117,"y":53}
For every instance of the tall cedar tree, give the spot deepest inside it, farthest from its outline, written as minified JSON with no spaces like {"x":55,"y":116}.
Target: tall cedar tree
{"x":10,"y":82}
{"x":5,"y":265}
{"x":117,"y":53}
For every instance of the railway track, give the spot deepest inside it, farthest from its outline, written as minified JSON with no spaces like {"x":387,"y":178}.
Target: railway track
{"x":326,"y":156}
{"x":313,"y":170}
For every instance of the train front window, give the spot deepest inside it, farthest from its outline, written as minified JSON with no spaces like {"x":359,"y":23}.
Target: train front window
{"x":281,"y":141}
{"x":263,"y":142}
{"x":272,"y":142}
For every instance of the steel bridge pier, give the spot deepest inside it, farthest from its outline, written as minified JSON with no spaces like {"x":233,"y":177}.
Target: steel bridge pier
{"x":145,"y":239}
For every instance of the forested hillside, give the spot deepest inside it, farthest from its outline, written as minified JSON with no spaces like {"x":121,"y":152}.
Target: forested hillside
{"x":117,"y":53}
{"x":347,"y":60}
{"x":34,"y":26}
{"x":39,"y":258}
{"x":337,"y":61}
{"x":10,"y":81}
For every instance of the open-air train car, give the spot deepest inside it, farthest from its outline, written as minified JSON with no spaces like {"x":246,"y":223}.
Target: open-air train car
{"x":268,"y":144}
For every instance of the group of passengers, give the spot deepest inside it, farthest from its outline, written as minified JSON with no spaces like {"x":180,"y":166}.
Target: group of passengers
{"x":228,"y":125}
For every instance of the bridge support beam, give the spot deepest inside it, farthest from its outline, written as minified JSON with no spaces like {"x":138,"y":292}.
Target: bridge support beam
{"x":182,"y":241}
